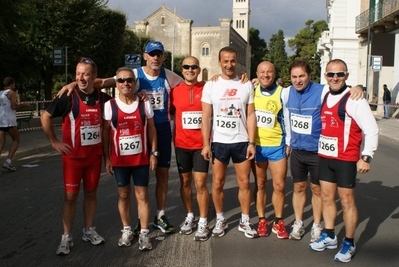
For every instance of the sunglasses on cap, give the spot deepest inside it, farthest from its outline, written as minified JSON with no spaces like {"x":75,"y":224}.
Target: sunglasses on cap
{"x":86,"y":60}
{"x":123,"y":80}
{"x":156,"y":53}
{"x":339,"y":74}
{"x":193,"y":67}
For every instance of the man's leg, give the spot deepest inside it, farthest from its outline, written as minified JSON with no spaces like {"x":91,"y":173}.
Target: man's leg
{"x":161,"y":190}
{"x":202,"y":193}
{"x":89,"y":207}
{"x":243,"y":170}
{"x":124,"y":204}
{"x":260,"y":187}
{"x":218,"y":180}
{"x":2,"y":140}
{"x":14,"y":133}
{"x":299,"y":199}
{"x":278,"y":170}
{"x":317,"y":205}
{"x":328,"y":190}
{"x":186,"y":192}
{"x":143,"y":204}
{"x":69,"y":210}
{"x":349,"y":210}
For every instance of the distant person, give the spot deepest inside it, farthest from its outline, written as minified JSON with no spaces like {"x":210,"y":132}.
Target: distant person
{"x":128,"y":128}
{"x":344,"y":121}
{"x":8,"y":120}
{"x":373,"y":102}
{"x":270,"y":149}
{"x":81,"y":149}
{"x":232,"y":137}
{"x":386,"y":98}
{"x":186,"y":104}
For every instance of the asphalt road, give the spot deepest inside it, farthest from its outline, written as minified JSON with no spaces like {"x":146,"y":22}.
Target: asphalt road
{"x":30,"y":223}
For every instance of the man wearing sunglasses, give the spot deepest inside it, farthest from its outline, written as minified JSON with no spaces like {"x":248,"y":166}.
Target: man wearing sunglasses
{"x":186,"y":105}
{"x":81,"y":149}
{"x":302,"y":106}
{"x":344,"y":122}
{"x":128,"y":128}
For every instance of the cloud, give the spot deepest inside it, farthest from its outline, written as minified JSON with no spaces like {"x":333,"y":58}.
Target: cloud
{"x":266,"y":16}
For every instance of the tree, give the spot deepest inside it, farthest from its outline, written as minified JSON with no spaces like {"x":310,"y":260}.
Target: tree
{"x":305,"y":44}
{"x":277,"y":54}
{"x":258,"y":50}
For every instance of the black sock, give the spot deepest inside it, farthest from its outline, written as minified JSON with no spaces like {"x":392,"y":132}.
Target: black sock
{"x":350,"y":240}
{"x":330,"y":233}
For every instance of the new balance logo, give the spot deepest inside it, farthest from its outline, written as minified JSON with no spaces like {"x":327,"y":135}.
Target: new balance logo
{"x":230,"y":92}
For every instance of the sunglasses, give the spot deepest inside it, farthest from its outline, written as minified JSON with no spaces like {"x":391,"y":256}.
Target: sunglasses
{"x":123,"y":80}
{"x":193,"y":67}
{"x":339,"y":74}
{"x":155,"y":53}
{"x":86,"y":60}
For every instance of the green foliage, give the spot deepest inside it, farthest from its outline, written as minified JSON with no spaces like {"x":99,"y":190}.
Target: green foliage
{"x":305,"y":45}
{"x":258,"y":50}
{"x":277,"y":54}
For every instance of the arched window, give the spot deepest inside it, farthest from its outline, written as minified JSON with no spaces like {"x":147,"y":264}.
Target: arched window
{"x":205,"y":49}
{"x":204,"y":75}
{"x":162,"y":20}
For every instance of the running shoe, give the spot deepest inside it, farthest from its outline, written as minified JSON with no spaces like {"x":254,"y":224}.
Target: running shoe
{"x":65,"y":245}
{"x":137,"y":228}
{"x":248,"y":229}
{"x":127,"y":236}
{"x":163,"y":225}
{"x":315,"y":232}
{"x":187,"y":226}
{"x":346,"y":252}
{"x":220,"y":226}
{"x":324,"y":242}
{"x":262,"y":227}
{"x":144,"y":242}
{"x":202,"y":232}
{"x":9,"y":166}
{"x":297,"y":231}
{"x":279,"y":229}
{"x":92,"y":236}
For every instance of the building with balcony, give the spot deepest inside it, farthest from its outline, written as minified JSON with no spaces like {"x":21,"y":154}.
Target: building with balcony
{"x":340,"y":41}
{"x":378,"y":28}
{"x":203,"y":42}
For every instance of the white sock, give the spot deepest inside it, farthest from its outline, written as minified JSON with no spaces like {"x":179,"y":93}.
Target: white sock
{"x":160,"y":213}
{"x":203,"y":220}
{"x":127,"y":228}
{"x":244,"y":217}
{"x":219,"y":215}
{"x":190,"y":214}
{"x":8,"y":161}
{"x":144,"y":231}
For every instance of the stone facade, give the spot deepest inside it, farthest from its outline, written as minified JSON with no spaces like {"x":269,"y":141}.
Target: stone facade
{"x":203,"y":42}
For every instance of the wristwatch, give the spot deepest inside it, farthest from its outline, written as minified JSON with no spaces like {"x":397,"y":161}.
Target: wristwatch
{"x":252,"y":143}
{"x":366,"y":158}
{"x":155,"y":153}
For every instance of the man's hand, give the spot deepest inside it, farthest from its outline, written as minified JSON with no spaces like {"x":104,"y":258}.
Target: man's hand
{"x":288,"y":150}
{"x":356,"y":93}
{"x":142,"y":96}
{"x":108,"y":167}
{"x":206,"y":153}
{"x":255,"y":82}
{"x":362,"y":166}
{"x":250,"y":152}
{"x":153,"y":163}
{"x":61,"y":147}
{"x":215,"y":77}
{"x":243,"y":77}
{"x":66,"y":88}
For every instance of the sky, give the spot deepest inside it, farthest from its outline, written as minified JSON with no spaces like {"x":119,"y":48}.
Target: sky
{"x":266,"y":16}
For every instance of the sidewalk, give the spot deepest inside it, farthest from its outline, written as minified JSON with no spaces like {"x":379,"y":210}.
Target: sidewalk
{"x":35,"y":141}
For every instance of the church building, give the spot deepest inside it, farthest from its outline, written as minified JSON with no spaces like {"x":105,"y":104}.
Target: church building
{"x":203,"y":42}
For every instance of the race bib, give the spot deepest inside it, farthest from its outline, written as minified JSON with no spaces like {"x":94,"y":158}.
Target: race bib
{"x":301,"y":124}
{"x":328,"y":146}
{"x":157,"y":100}
{"x":228,"y":124}
{"x":90,"y":135}
{"x":191,"y":119}
{"x":130,"y":145}
{"x":265,"y":119}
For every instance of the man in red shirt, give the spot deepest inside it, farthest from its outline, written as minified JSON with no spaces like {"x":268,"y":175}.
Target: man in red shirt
{"x":80,"y":147}
{"x":186,"y":103}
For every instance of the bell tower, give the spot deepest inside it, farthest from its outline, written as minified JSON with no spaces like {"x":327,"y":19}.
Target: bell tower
{"x":241,"y":13}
